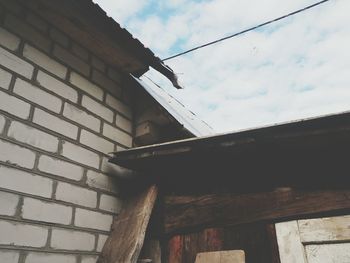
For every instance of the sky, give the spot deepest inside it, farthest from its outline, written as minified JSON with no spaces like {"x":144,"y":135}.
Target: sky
{"x":293,"y":69}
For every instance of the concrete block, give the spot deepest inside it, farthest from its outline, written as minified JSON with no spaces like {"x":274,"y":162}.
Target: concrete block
{"x":46,"y":211}
{"x":59,"y":37}
{"x":8,"y":39}
{"x":106,"y":83}
{"x":14,"y":154}
{"x":5,"y":78}
{"x":37,"y":95}
{"x":33,"y":137}
{"x":15,"y":64}
{"x":110,"y":203}
{"x":72,"y":240}
{"x":101,"y":241}
{"x":55,"y":124}
{"x":8,"y":256}
{"x":117,"y":135}
{"x":57,"y":86}
{"x":97,"y":63}
{"x":91,"y":219}
{"x":101,"y":181}
{"x":28,"y":32}
{"x":79,"y":116}
{"x":8,"y":204}
{"x":37,"y":22}
{"x":96,"y":142}
{"x":97,"y":108}
{"x":80,"y":52}
{"x":2,"y":123}
{"x":80,"y":155}
{"x":14,"y":105}
{"x":89,"y":259}
{"x":24,"y":182}
{"x":44,"y":61}
{"x":19,"y":234}
{"x":33,"y":257}
{"x":76,"y":195}
{"x":85,"y":85}
{"x":73,"y":61}
{"x":119,"y":106}
{"x":123,"y":123}
{"x":60,"y":168}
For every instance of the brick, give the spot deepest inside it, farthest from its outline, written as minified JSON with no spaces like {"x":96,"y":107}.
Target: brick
{"x":106,"y":83}
{"x":117,"y":135}
{"x":91,"y":219}
{"x":85,"y":85}
{"x":27,"y":32}
{"x":15,"y":64}
{"x":110,"y":203}
{"x":119,"y":106}
{"x":55,"y":124}
{"x":8,"y":39}
{"x":59,"y":37}
{"x":80,"y":155}
{"x":2,"y":123}
{"x":89,"y":259}
{"x":97,"y":63}
{"x":33,"y":137}
{"x":80,"y":51}
{"x":76,"y":195}
{"x":57,"y":86}
{"x":96,"y":142}
{"x":44,"y":61}
{"x":37,"y":95}
{"x":72,"y":240}
{"x":8,"y":203}
{"x":24,"y":182}
{"x":101,"y":241}
{"x":52,"y":258}
{"x":97,"y":108}
{"x":115,"y":75}
{"x":60,"y":168}
{"x":11,"y":153}
{"x":79,"y":116}
{"x":37,"y":22}
{"x":123,"y":123}
{"x":71,"y":60}
{"x":19,"y":234}
{"x":101,"y":181}
{"x":14,"y":105}
{"x":46,"y":211}
{"x":7,"y":256}
{"x":5,"y":78}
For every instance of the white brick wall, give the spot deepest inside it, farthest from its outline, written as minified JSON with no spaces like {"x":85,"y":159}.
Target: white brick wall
{"x":17,"y":155}
{"x":96,"y":142}
{"x":123,"y":123}
{"x":110,"y":203}
{"x":101,"y":181}
{"x":97,"y":63}
{"x":5,"y":78}
{"x":89,"y":259}
{"x":86,"y":85}
{"x":77,"y":115}
{"x":16,"y":64}
{"x":37,"y":95}
{"x":49,"y":258}
{"x":119,"y":106}
{"x":57,"y":86}
{"x":101,"y":241}
{"x":22,"y":234}
{"x":2,"y":123}
{"x":97,"y":108}
{"x":80,"y":155}
{"x":76,"y":195}
{"x":117,"y":135}
{"x":91,"y":219}
{"x":59,"y":37}
{"x":24,"y":182}
{"x":105,"y":82}
{"x":37,"y":22}
{"x":44,"y":61}
{"x":72,"y":240}
{"x":33,"y":137}
{"x":14,"y":105}
{"x":8,"y":203}
{"x":55,"y":124}
{"x":61,"y":168}
{"x":7,"y":256}
{"x":8,"y":39}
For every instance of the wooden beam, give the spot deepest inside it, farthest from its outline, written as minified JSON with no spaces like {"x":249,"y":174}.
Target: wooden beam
{"x":186,"y":212}
{"x":129,"y":228}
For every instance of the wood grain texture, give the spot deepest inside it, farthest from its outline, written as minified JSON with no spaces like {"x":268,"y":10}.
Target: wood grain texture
{"x":129,"y":228}
{"x":187,"y":212}
{"x":230,"y":256}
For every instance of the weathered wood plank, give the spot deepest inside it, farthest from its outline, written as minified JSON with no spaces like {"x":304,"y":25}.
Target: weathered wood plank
{"x":184,"y":212}
{"x":339,"y":253}
{"x":325,"y":229}
{"x":129,"y":228}
{"x":231,"y":256}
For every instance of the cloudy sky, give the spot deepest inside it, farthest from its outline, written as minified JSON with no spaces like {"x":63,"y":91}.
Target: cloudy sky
{"x":296,"y":68}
